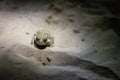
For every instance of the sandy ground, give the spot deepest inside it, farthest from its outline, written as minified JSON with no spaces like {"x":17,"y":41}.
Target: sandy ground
{"x":81,"y":43}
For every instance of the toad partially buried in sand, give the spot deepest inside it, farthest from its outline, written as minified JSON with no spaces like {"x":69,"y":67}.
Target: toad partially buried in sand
{"x":43,"y":39}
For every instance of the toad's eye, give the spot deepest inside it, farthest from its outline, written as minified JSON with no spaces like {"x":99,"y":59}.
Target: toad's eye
{"x":45,"y":40}
{"x":37,"y":39}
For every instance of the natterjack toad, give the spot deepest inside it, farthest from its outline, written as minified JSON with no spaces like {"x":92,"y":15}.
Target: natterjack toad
{"x":43,"y":39}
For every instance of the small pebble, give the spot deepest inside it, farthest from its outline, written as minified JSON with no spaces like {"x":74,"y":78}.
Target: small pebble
{"x":95,"y":51}
{"x":18,"y":63}
{"x":51,"y":6}
{"x":71,"y":15}
{"x":20,"y":17}
{"x":76,"y":31}
{"x":83,"y":40}
{"x":58,"y":10}
{"x":39,"y":59}
{"x":116,"y":58}
{"x":70,"y":20}
{"x":49,"y":17}
{"x":48,"y":59}
{"x":27,"y":33}
{"x":43,"y":64}
{"x":2,"y":47}
{"x":47,"y":21}
{"x":14,"y":7}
